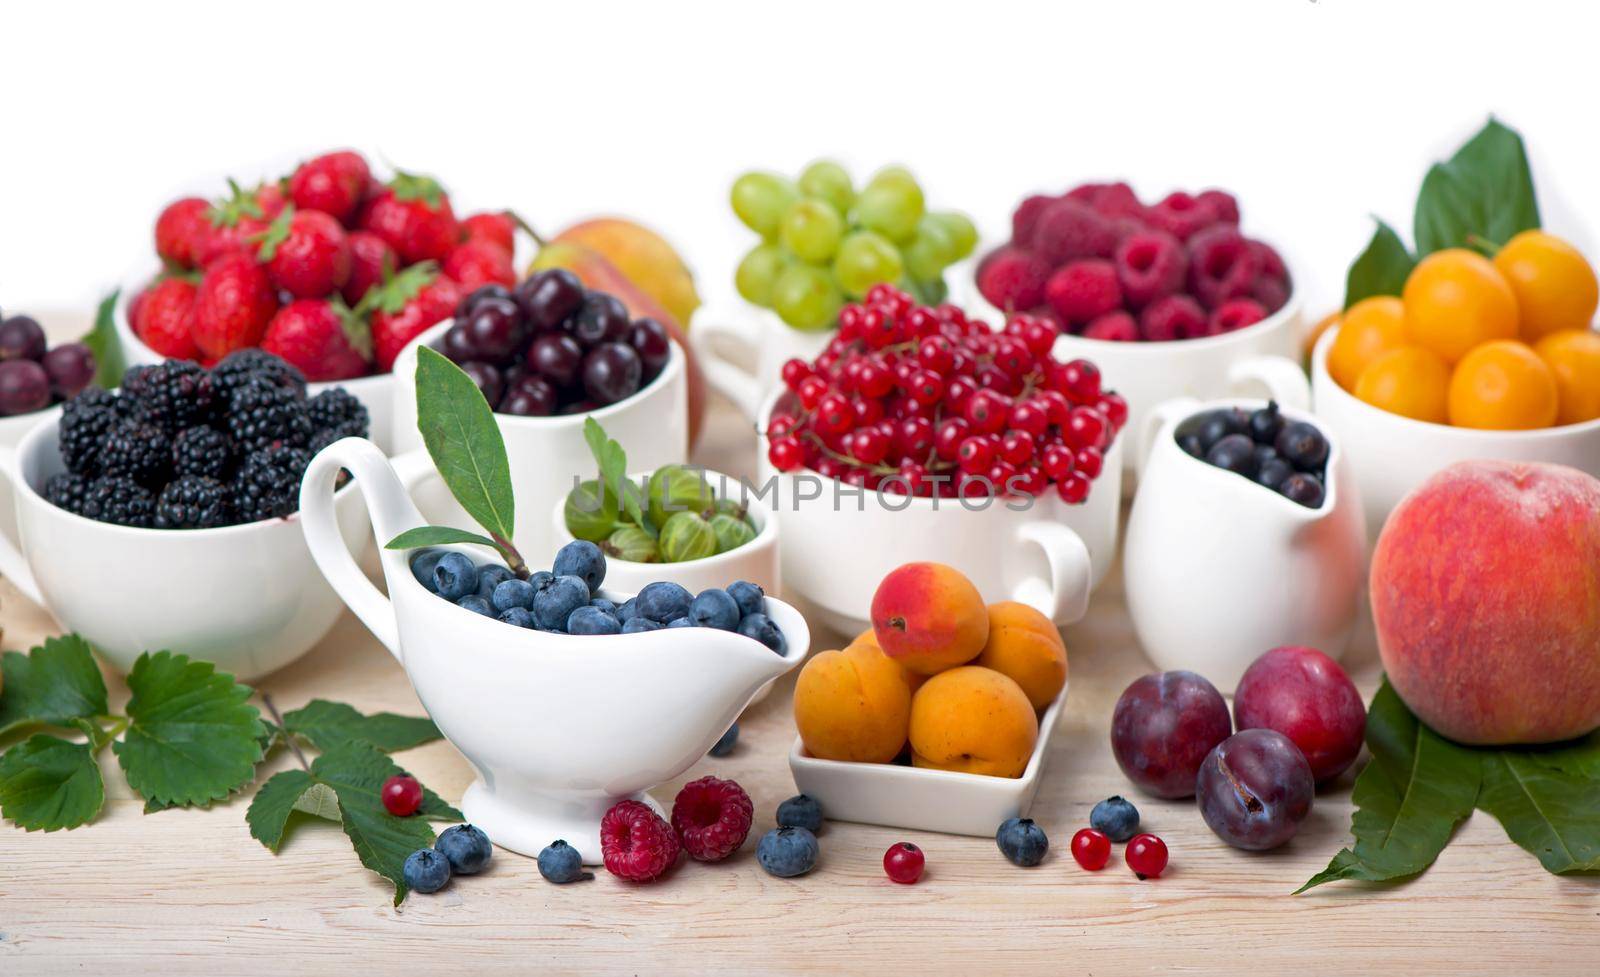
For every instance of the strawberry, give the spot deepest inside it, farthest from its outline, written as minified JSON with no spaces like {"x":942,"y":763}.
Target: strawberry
{"x":271,"y":198}
{"x":233,"y":221}
{"x":165,"y":318}
{"x":413,"y":214}
{"x":500,"y":228}
{"x":479,"y":261}
{"x":333,"y":183}
{"x":322,"y":337}
{"x":406,"y":305}
{"x":372,"y":261}
{"x":306,"y":253}
{"x":233,"y":305}
{"x":179,"y":230}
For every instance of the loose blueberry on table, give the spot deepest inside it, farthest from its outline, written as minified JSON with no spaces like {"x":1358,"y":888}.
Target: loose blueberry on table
{"x":33,"y":376}
{"x":1022,"y":842}
{"x":724,"y":746}
{"x":560,"y":863}
{"x":923,"y":401}
{"x":800,"y":811}
{"x":426,"y":871}
{"x":466,"y":847}
{"x":787,"y":852}
{"x":1116,"y":818}
{"x":1289,"y":457}
{"x":566,"y":600}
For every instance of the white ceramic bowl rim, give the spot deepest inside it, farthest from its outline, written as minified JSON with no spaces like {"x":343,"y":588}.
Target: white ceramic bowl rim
{"x":1152,"y":347}
{"x":767,"y":526}
{"x":29,"y":447}
{"x":1324,"y":381}
{"x":1329,"y":485}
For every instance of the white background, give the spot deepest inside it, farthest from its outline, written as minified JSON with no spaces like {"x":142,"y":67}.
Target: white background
{"x":1315,"y":113}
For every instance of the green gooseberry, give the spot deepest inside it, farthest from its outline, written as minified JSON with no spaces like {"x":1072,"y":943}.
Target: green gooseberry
{"x":591,"y":512}
{"x":729,"y":507}
{"x":674,"y":489}
{"x":731,"y":531}
{"x":687,"y":536}
{"x":633,"y":545}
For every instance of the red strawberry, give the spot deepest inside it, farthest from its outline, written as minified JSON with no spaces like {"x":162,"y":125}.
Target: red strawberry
{"x":233,"y":306}
{"x":413,"y":214}
{"x":179,"y":230}
{"x":232,"y":222}
{"x":406,"y":305}
{"x":372,"y":261}
{"x":165,"y":318}
{"x":479,"y":261}
{"x":306,"y":252}
{"x":499,"y":228}
{"x":323,"y":338}
{"x":333,"y":183}
{"x":271,"y":198}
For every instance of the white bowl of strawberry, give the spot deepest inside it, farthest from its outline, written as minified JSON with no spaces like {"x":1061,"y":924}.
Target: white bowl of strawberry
{"x":920,"y":434}
{"x":1169,"y":299}
{"x":328,"y":267}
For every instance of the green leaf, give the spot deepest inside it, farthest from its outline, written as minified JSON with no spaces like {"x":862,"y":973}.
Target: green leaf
{"x":1381,"y":269}
{"x":1550,"y":812}
{"x":275,"y":802}
{"x":437,"y":536}
{"x":192,"y":737}
{"x":1580,"y":757}
{"x":1484,"y":193}
{"x":277,"y":232}
{"x":48,"y":783}
{"x":613,"y":462}
{"x":329,"y":725}
{"x":382,"y":841}
{"x":103,"y":343}
{"x":53,"y":685}
{"x":1408,"y":799}
{"x":464,"y":442}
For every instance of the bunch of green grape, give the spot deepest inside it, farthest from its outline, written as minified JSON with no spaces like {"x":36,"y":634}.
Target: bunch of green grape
{"x":823,"y":243}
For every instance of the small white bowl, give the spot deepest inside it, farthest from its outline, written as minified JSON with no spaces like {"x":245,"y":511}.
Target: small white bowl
{"x":375,"y":392}
{"x":1391,"y":455}
{"x":755,"y":561}
{"x":730,"y":339}
{"x":921,"y":799}
{"x":246,"y":597}
{"x":546,"y":452}
{"x":12,"y":431}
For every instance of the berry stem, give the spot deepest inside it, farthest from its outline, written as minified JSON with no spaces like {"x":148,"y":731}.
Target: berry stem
{"x":527,"y":228}
{"x":287,"y":737}
{"x":512,"y":557}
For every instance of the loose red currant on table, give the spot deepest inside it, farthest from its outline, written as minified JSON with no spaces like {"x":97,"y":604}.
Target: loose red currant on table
{"x":903,"y":862}
{"x":402,"y":795}
{"x":1146,"y":855}
{"x":1091,"y":849}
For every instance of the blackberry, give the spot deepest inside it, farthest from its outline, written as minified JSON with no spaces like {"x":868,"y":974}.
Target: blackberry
{"x":138,"y":450}
{"x":119,"y":500}
{"x":336,"y":410}
{"x":244,"y":364}
{"x":85,"y":419}
{"x":268,"y":483}
{"x":194,"y":502}
{"x":202,"y":451}
{"x":172,"y":395}
{"x":66,"y":491}
{"x":262,"y":413}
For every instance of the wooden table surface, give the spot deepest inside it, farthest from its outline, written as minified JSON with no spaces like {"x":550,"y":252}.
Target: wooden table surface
{"x":190,"y":892}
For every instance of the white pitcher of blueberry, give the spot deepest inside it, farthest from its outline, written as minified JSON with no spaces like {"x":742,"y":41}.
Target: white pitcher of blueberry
{"x":1245,"y":534}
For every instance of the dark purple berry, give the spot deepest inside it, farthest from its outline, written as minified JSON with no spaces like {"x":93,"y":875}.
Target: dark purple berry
{"x":531,"y":396}
{"x":1273,"y":472}
{"x":24,"y":386}
{"x":458,"y":345}
{"x":556,"y":357}
{"x":494,"y":328}
{"x":602,"y":319}
{"x":549,"y":297}
{"x":1234,"y":452}
{"x":611,"y":372}
{"x":21,"y":338}
{"x":1303,"y":488}
{"x":1303,"y":446}
{"x":653,"y":343}
{"x":487,"y":377}
{"x":1266,"y":423}
{"x":493,"y":290}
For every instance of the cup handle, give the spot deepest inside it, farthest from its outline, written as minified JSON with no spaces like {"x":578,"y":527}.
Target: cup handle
{"x":13,"y":565}
{"x":1284,"y":379}
{"x":392,"y":513}
{"x":1156,"y":419}
{"x":739,"y":328}
{"x":1064,"y":598}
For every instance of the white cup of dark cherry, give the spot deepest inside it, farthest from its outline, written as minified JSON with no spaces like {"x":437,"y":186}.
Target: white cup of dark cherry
{"x":33,"y":375}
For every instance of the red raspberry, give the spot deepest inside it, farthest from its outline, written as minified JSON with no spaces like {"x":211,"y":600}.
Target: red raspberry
{"x":1150,"y":264}
{"x":1026,"y":217}
{"x":1085,"y":193}
{"x":1118,"y":200}
{"x":1012,"y":278}
{"x":1173,"y":317}
{"x":635,"y":843}
{"x":1068,"y":229}
{"x":1180,"y":215}
{"x":1116,"y":327}
{"x":1271,"y":262}
{"x":1221,"y":203}
{"x":712,"y":818}
{"x":1082,"y":290}
{"x":1222,"y":265}
{"x":1270,"y":292}
{"x":1236,"y":314}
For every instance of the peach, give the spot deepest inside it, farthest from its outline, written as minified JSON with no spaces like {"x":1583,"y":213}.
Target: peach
{"x":1486,"y":594}
{"x":853,"y":705}
{"x":1026,"y":647}
{"x":929,"y":617}
{"x":973,"y":720}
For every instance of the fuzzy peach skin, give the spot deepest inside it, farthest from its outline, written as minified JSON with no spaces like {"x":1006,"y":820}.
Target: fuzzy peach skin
{"x":929,"y":617}
{"x":853,"y":705}
{"x":1025,"y":646}
{"x":1486,"y":594}
{"x":972,"y":720}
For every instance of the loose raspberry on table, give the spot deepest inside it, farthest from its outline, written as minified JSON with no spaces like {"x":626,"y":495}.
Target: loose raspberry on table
{"x":712,"y":818}
{"x":1150,"y":265}
{"x":1068,"y":229}
{"x":1172,"y":317}
{"x":635,"y":843}
{"x":1083,"y":290}
{"x":1013,"y":279}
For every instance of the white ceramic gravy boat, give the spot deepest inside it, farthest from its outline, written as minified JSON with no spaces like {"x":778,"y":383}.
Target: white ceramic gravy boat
{"x":559,"y":727}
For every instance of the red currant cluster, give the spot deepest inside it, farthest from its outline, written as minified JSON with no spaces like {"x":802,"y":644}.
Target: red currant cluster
{"x":924,"y":401}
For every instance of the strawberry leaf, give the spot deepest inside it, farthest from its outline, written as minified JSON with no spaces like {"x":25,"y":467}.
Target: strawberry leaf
{"x":239,"y":204}
{"x":329,"y":725}
{"x":391,"y":297}
{"x":52,"y":685}
{"x":357,"y":328}
{"x":276,"y":233}
{"x":47,"y":784}
{"x":413,"y":186}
